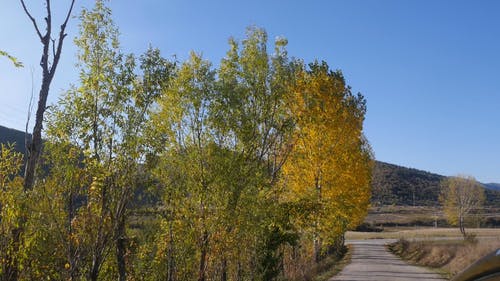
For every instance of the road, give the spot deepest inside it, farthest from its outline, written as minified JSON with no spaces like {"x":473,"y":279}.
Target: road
{"x":372,"y":262}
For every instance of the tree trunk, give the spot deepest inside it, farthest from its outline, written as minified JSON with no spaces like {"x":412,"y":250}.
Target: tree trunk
{"x":94,"y":271}
{"x":34,"y":148}
{"x":203,"y":257}
{"x":72,"y":255}
{"x":224,"y":269}
{"x":317,"y":249}
{"x":461,"y":226}
{"x":170,"y":254}
{"x":121,"y":250}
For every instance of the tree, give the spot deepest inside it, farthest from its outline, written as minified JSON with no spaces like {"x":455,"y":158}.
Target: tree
{"x":253,"y":122}
{"x":185,"y":168}
{"x":103,"y":119}
{"x":461,"y":195}
{"x":330,"y":164}
{"x":222,"y":141}
{"x":48,"y":63}
{"x":33,"y":150}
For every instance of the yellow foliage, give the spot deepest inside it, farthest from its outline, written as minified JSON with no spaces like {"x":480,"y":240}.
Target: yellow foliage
{"x":331,"y":163}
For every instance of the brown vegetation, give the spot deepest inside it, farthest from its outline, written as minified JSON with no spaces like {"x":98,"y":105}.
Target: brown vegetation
{"x":331,"y":265}
{"x":448,"y":256}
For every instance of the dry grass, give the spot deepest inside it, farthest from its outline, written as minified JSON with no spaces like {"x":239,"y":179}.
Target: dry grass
{"x":421,"y":233}
{"x":403,"y":215}
{"x":333,"y":269}
{"x":467,"y":255}
{"x":389,"y":216}
{"x":448,"y":256}
{"x":300,"y":265}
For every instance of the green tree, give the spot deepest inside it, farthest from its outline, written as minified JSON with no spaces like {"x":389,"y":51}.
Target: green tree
{"x":461,"y":195}
{"x":252,"y":121}
{"x":222,"y":142}
{"x":185,"y":168}
{"x":103,"y":118}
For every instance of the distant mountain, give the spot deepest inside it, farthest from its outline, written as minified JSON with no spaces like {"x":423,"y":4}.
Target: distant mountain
{"x":396,"y":185}
{"x":492,"y":186}
{"x":13,"y":136}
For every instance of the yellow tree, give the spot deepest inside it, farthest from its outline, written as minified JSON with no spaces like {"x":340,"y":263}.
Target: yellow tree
{"x":460,"y":195}
{"x":330,"y":165}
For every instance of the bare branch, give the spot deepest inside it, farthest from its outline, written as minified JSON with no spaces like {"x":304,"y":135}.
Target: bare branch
{"x":63,"y":26}
{"x":60,"y":40}
{"x":49,"y":16}
{"x":48,"y":19}
{"x":30,"y":110}
{"x":32,"y":20}
{"x":53,"y":47}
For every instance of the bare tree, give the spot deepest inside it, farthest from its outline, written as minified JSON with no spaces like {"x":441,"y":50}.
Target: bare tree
{"x":460,"y":195}
{"x":51,"y":54}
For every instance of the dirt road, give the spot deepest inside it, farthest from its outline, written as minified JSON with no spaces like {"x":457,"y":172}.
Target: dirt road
{"x":372,"y":262}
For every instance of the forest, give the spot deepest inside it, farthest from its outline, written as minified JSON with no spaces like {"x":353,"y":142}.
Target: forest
{"x":156,"y":169}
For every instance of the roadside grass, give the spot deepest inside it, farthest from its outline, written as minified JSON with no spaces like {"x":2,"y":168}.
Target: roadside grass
{"x":331,"y":267}
{"x":446,"y":256}
{"x":308,"y":270}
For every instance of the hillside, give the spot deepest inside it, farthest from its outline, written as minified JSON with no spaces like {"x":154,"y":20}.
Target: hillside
{"x":8,"y":135}
{"x":492,"y":186}
{"x":396,"y":185}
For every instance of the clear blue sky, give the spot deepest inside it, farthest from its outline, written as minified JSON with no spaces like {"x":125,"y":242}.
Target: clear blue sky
{"x":430,"y":70}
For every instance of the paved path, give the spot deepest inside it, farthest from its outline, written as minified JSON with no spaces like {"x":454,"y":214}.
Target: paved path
{"x":372,"y":262}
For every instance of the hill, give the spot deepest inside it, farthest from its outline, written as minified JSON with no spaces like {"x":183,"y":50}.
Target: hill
{"x":8,"y":135}
{"x":397,"y":185}
{"x":492,"y":186}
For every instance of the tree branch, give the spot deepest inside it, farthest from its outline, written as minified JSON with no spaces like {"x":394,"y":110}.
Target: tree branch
{"x":32,"y":20}
{"x":63,"y":26}
{"x":53,"y":47}
{"x":60,"y":40}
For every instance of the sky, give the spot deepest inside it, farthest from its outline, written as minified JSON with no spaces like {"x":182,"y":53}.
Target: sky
{"x":429,"y":70}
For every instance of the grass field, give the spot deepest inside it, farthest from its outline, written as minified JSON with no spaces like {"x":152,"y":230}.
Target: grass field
{"x":395,"y":222}
{"x":422,"y":233}
{"x":426,"y":216}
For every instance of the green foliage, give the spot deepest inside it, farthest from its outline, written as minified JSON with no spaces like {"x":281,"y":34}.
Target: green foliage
{"x":14,"y":60}
{"x":213,"y":147}
{"x":11,"y":205}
